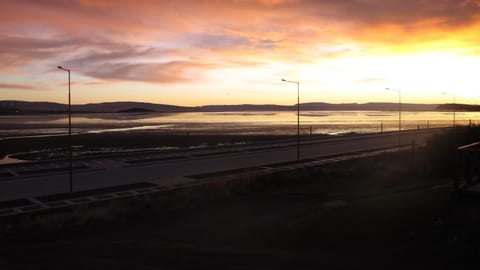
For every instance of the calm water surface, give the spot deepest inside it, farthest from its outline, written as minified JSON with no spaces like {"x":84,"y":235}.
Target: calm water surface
{"x":318,"y":122}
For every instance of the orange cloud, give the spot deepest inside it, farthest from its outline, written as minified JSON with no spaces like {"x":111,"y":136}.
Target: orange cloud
{"x":165,"y":41}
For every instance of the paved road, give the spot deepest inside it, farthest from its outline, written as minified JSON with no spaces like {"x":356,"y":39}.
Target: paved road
{"x":44,"y":178}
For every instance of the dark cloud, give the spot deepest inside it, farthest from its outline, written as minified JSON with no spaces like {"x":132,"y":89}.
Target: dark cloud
{"x":134,"y":63}
{"x":372,"y":12}
{"x":226,"y":42}
{"x":14,"y":56}
{"x":213,"y":41}
{"x":266,"y":44}
{"x":147,"y":16}
{"x":19,"y":43}
{"x":16,"y":86}
{"x":16,"y":51}
{"x":103,"y":59}
{"x":170,"y":72}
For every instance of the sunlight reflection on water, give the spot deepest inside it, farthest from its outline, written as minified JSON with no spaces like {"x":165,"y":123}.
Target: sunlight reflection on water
{"x":321,"y":122}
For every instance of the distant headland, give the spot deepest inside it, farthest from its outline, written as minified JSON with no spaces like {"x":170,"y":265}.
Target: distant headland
{"x":13,"y":107}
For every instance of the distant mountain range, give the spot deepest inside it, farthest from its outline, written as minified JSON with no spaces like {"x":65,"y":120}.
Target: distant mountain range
{"x":25,"y":107}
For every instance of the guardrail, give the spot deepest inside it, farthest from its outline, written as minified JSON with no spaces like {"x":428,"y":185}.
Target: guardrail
{"x":467,"y":180}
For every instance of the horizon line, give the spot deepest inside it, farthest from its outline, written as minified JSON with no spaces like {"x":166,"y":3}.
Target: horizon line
{"x":244,"y":104}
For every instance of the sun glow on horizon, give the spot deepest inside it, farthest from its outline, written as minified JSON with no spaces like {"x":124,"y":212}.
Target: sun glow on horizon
{"x":236,"y":52}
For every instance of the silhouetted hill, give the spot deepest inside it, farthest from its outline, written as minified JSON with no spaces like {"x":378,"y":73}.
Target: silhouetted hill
{"x":19,"y":107}
{"x":458,"y":107}
{"x":122,"y":106}
{"x":243,"y":107}
{"x":9,"y":111}
{"x":371,"y":106}
{"x":136,"y":110}
{"x":24,"y":107}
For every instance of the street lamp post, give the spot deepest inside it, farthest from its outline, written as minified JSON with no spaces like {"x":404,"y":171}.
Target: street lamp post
{"x":298,"y":115}
{"x":69,"y":130}
{"x":453,"y":107}
{"x":399,"y":113}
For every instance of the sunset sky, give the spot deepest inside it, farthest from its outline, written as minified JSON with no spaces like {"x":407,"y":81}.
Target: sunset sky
{"x":198,"y":52}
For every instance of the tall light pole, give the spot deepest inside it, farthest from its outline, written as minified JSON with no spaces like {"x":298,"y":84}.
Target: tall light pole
{"x":399,"y":113}
{"x":298,"y":116}
{"x":69,"y":130}
{"x":453,"y":107}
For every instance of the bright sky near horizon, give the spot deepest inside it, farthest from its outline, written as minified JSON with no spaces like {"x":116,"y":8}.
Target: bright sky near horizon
{"x":198,"y":52}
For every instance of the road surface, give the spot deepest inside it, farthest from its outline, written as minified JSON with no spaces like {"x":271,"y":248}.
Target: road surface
{"x":46,"y":178}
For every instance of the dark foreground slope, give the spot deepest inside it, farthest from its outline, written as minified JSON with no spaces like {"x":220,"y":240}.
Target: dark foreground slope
{"x":374,"y":213}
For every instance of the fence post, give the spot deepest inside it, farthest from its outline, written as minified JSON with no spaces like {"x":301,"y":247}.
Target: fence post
{"x":412,"y":157}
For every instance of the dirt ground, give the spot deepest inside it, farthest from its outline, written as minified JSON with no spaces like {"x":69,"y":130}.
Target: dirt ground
{"x":363,"y":214}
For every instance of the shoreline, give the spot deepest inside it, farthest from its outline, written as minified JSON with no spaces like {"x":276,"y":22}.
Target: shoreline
{"x":51,"y":147}
{"x":48,"y":147}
